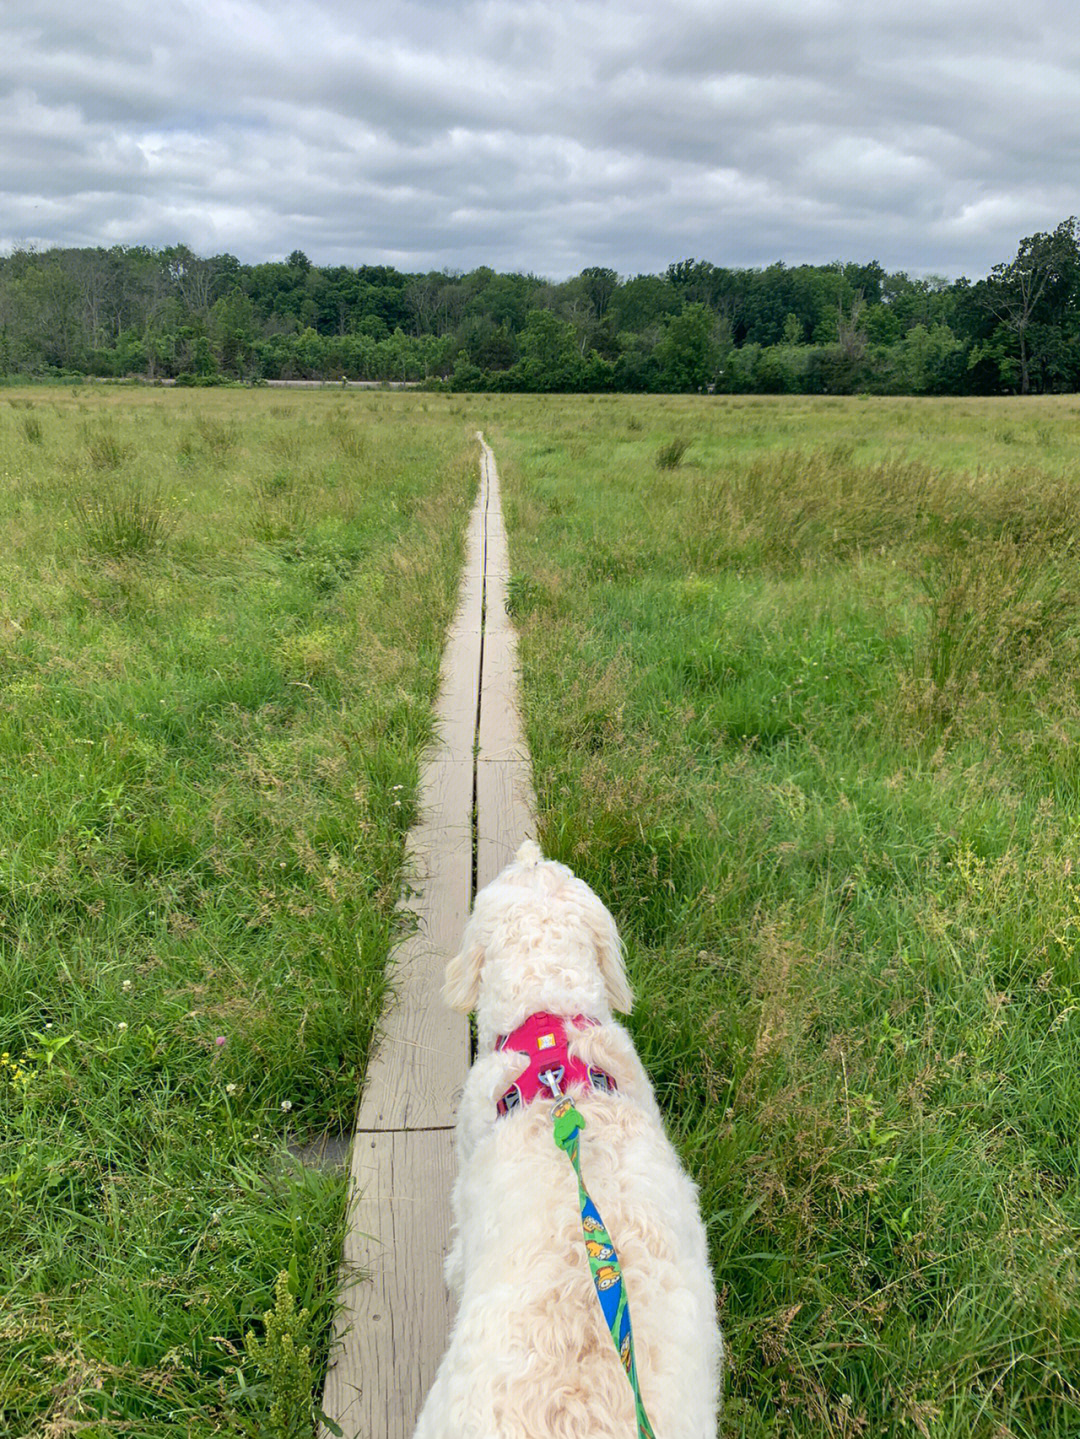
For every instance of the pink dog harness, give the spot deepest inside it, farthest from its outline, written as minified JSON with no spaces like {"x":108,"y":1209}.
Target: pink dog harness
{"x":542,"y":1039}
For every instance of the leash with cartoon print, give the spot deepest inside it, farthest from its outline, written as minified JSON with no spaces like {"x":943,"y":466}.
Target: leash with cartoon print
{"x":603,"y":1261}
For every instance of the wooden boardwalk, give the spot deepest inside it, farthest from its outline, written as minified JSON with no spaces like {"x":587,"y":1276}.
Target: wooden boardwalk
{"x":476,"y":806}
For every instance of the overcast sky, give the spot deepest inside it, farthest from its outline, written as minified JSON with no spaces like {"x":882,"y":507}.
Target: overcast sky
{"x":532,"y":135}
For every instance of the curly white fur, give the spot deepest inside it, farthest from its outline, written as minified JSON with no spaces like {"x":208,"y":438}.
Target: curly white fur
{"x":529,"y":1355}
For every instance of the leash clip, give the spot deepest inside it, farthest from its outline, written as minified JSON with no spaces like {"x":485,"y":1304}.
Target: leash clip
{"x":553,"y":1078}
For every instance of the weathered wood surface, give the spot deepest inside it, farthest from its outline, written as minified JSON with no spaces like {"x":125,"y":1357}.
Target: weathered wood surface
{"x":505,"y":790}
{"x":506,"y":803}
{"x":395,"y":1314}
{"x":396,"y":1310}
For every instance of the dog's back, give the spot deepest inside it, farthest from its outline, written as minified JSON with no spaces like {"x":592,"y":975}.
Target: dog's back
{"x":530,"y":1355}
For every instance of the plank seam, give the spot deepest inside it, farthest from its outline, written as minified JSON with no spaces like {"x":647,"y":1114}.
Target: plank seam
{"x":411,"y":1129}
{"x":485,"y":481}
{"x":485,"y":501}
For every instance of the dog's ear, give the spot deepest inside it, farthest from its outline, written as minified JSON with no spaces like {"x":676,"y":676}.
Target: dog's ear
{"x":461,"y":987}
{"x":609,"y":954}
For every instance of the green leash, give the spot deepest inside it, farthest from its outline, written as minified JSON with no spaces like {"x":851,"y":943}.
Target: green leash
{"x":603,"y":1261}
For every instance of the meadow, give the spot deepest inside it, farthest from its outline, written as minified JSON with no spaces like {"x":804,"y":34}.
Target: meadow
{"x":801,"y":690}
{"x":800,"y":686}
{"x":221,"y":619}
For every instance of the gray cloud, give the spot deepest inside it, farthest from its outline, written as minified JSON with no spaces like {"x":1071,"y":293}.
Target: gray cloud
{"x":542,"y":136}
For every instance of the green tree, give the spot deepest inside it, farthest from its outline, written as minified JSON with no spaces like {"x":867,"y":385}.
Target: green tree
{"x":689,"y":353}
{"x":232,"y":331}
{"x":550,"y":358}
{"x":644,"y":303}
{"x":600,"y":285}
{"x":335,"y":293}
{"x":925,"y":361}
{"x":504,"y":299}
{"x":1034,"y":296}
{"x":52,"y":309}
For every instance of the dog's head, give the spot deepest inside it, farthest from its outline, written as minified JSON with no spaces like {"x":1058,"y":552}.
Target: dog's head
{"x":537,"y":908}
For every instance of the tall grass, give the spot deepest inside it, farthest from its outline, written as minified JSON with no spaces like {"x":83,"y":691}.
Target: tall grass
{"x":670,"y":455}
{"x":210,"y":721}
{"x":105,"y":450}
{"x":804,"y":711}
{"x":119,"y":519}
{"x":998,"y":614}
{"x":280,"y":506}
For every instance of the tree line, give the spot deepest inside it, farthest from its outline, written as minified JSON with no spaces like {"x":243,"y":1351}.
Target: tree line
{"x":838,"y":328}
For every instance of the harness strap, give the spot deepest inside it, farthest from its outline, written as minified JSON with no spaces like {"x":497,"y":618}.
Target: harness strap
{"x":604,"y":1263}
{"x":552,"y":1070}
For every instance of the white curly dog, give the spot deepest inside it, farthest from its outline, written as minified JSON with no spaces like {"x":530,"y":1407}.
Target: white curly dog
{"x":530,"y":1355}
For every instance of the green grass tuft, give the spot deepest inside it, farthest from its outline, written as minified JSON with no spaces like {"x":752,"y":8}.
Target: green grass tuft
{"x":119,"y":519}
{"x":670,"y":456}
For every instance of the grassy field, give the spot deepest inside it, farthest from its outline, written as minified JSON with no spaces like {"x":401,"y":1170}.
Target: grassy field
{"x":801,"y":689}
{"x":221,"y":618}
{"x":801,"y":683}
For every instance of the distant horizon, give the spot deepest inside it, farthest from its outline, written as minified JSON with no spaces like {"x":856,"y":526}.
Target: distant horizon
{"x":8,"y":248}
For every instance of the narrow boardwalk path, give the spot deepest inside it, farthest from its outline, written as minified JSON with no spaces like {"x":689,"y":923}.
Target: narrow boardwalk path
{"x":392,"y":1330}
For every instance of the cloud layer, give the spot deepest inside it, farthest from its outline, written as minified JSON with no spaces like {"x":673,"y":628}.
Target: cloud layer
{"x":543,"y":136}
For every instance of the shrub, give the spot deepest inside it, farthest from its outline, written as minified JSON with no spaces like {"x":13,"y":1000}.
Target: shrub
{"x":352,"y":442}
{"x":522,"y":594}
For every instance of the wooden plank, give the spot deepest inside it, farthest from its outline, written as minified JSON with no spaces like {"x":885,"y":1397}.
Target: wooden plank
{"x":474,"y":537}
{"x":474,"y":532}
{"x":396,"y":1319}
{"x":506,"y":808}
{"x":495,"y":590}
{"x":445,"y":804}
{"x":502,"y":735}
{"x":423,"y":1051}
{"x":467,"y":616}
{"x":497,"y":561}
{"x":415,"y":1079}
{"x":476,"y":541}
{"x":455,"y":713}
{"x":422,"y":1055}
{"x":392,"y":1329}
{"x":399,"y":1093}
{"x":505,"y":802}
{"x":459,"y":674}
